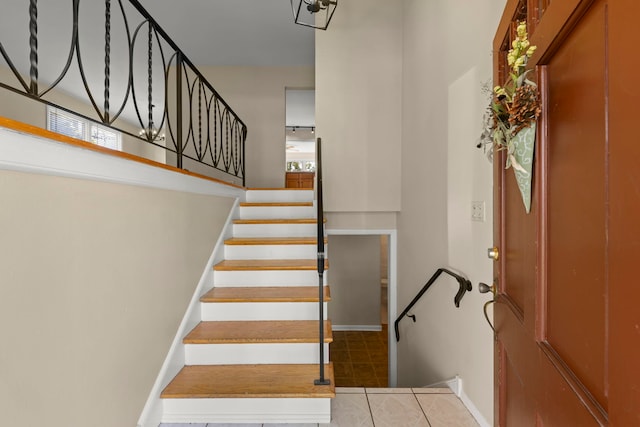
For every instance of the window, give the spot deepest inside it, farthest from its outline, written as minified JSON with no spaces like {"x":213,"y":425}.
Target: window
{"x":71,"y":125}
{"x":301,"y":166}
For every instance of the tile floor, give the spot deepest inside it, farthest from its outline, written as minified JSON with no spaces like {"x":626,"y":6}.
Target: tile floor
{"x":384,"y":407}
{"x":360,"y":359}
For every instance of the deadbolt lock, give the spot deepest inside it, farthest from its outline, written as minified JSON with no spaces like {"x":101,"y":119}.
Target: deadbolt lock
{"x":493,"y":253}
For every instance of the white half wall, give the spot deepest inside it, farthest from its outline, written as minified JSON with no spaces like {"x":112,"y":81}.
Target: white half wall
{"x":99,"y":257}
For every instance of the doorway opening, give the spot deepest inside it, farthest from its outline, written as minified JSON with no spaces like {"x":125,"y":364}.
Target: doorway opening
{"x":362,"y":279}
{"x":300,"y":146}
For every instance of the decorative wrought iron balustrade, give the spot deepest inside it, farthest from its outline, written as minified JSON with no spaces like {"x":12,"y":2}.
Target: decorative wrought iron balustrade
{"x":110,"y":62}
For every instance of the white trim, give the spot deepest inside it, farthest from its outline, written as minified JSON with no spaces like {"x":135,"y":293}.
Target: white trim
{"x":454,"y":384}
{"x":153,"y":409}
{"x":392,"y":289}
{"x":473,"y":409}
{"x":367,"y":328}
{"x":24,"y":152}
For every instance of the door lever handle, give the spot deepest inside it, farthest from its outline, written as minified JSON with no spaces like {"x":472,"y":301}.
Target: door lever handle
{"x":484,"y":288}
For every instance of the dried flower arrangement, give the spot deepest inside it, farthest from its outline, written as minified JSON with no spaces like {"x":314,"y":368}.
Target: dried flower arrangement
{"x":510,"y":120}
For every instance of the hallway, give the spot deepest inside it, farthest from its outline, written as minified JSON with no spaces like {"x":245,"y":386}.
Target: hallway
{"x":360,"y":358}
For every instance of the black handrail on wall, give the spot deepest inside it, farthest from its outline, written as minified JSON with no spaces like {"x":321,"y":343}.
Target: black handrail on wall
{"x":321,"y":257}
{"x":160,"y":88}
{"x":463,"y":282}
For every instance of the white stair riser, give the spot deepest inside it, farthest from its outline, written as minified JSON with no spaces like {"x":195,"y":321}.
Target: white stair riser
{"x":267,"y":278}
{"x":243,"y":354}
{"x":270,"y":251}
{"x":255,"y":410}
{"x":260,"y":410}
{"x":281,"y":196}
{"x":275,"y":230}
{"x":277,"y":212}
{"x":261,"y":311}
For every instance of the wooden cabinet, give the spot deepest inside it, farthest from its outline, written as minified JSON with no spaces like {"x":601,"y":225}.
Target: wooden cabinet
{"x":299,"y":179}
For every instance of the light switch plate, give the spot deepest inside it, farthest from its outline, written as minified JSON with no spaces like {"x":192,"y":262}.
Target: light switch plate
{"x":477,"y":211}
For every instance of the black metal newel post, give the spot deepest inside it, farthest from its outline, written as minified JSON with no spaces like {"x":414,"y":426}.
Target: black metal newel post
{"x":321,"y":256}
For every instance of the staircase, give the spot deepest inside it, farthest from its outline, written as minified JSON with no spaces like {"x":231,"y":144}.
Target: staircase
{"x":255,"y":354}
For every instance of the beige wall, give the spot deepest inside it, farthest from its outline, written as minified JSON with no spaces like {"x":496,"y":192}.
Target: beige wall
{"x":95,"y":279}
{"x":447,"y":57}
{"x":257,"y":95}
{"x":354,"y":275}
{"x":359,"y":106}
{"x":399,"y":107}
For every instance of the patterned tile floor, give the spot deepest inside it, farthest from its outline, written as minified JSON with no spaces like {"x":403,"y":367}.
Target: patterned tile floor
{"x":384,"y":407}
{"x":360,"y":359}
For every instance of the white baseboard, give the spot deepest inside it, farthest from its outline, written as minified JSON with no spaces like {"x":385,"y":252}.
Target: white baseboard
{"x":364,"y":328}
{"x":455,"y":384}
{"x":474,"y":410}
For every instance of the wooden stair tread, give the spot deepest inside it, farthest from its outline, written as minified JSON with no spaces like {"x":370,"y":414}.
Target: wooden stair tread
{"x":277,"y":221}
{"x":280,"y":189}
{"x":247,"y":241}
{"x":266,"y":294}
{"x":268,"y":264}
{"x":249,"y":381}
{"x":258,"y":331}
{"x":275,"y":204}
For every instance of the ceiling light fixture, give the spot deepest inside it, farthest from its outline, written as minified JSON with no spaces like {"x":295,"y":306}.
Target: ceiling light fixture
{"x":315,"y":13}
{"x":151,"y":133}
{"x":293,"y":129}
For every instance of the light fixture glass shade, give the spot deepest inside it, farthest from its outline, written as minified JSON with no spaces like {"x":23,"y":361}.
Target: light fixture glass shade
{"x":151,"y":134}
{"x":313,"y":13}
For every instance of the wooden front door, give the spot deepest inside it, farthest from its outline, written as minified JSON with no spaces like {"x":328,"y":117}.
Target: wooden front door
{"x":567,"y":315}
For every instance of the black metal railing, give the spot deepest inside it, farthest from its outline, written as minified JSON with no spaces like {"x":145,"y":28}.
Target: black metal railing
{"x":464,"y":286}
{"x":321,"y":257}
{"x":134,"y":79}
